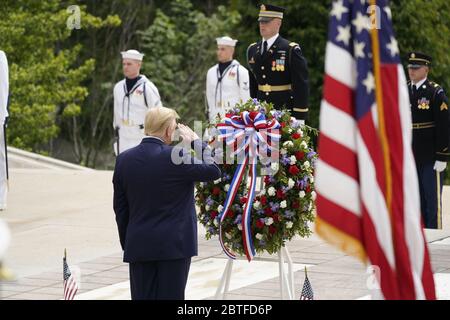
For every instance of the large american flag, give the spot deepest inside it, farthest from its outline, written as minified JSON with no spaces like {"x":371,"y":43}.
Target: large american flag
{"x":368,"y":195}
{"x":70,"y":283}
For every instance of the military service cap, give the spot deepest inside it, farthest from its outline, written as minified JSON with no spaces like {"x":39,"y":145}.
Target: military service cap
{"x":418,"y":59}
{"x":268,"y":12}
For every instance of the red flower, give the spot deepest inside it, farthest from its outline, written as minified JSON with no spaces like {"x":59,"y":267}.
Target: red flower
{"x":230,"y":214}
{"x":272,"y":230}
{"x":259,"y":224}
{"x":280,"y":194}
{"x":263,"y":200}
{"x":299,"y":155}
{"x":268,"y":212}
{"x":228,"y":115}
{"x":295,"y":205}
{"x":276,"y":218}
{"x":296,"y":136}
{"x":308,"y":189}
{"x":266,"y":179}
{"x":216,"y":191}
{"x":214,"y":214}
{"x":243,"y":200}
{"x":283,"y":124}
{"x":294,"y":170}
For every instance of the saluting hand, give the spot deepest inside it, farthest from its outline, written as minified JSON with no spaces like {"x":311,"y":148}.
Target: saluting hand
{"x":186,"y":133}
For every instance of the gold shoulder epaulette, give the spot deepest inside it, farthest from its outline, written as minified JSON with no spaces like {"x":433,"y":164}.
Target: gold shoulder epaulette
{"x":293,"y":44}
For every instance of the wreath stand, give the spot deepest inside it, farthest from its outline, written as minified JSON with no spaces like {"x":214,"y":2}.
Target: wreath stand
{"x":286,"y":276}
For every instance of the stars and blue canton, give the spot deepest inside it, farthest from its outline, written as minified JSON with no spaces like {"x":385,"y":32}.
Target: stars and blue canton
{"x":350,"y":29}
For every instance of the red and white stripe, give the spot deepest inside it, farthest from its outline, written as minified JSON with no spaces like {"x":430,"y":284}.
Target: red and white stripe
{"x":70,"y":288}
{"x":351,"y":180}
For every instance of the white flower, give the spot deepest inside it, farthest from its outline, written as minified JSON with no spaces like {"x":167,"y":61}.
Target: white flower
{"x":293,"y":160}
{"x":271,"y":191}
{"x":300,"y":131}
{"x":289,"y":225}
{"x":240,"y":226}
{"x":226,"y":188}
{"x":283,"y":151}
{"x":302,"y":194}
{"x":291,"y":183}
{"x":269,"y":221}
{"x":228,"y":235}
{"x":207,"y":208}
{"x":218,"y":181}
{"x":289,"y":131}
{"x":256,"y":205}
{"x":259,"y":236}
{"x":311,"y":179}
{"x":275,"y":166}
{"x":306,"y":164}
{"x":263,"y":191}
{"x":314,"y":195}
{"x":304,"y":144}
{"x":283,"y":204}
{"x":289,"y":144}
{"x":219,"y":208}
{"x":216,"y":222}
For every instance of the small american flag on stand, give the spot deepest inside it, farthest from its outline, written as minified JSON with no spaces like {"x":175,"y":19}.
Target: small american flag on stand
{"x":307,"y":291}
{"x":70,"y":283}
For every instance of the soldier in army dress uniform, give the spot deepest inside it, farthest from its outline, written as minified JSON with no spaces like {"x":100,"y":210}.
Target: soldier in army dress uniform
{"x":429,"y":107}
{"x":278,"y":70}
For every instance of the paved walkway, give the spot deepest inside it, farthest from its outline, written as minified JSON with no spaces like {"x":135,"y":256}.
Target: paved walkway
{"x":53,"y":209}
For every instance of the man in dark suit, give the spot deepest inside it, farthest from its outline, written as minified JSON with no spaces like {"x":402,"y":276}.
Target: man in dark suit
{"x":278,"y":69}
{"x":429,"y":108}
{"x":154,"y":206}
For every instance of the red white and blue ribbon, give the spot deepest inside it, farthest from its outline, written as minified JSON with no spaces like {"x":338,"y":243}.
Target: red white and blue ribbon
{"x":251,"y":136}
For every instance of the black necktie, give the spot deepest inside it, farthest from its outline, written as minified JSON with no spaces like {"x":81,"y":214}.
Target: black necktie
{"x":414,"y":89}
{"x":264,"y":48}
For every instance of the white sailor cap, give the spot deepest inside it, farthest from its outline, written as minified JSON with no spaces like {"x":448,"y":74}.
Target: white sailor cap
{"x":226,"y":41}
{"x":132,"y":54}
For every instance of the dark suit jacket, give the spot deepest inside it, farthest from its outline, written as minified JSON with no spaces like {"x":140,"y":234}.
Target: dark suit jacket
{"x":154,"y":200}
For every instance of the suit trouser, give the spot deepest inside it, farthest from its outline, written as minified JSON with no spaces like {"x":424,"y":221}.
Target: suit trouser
{"x":430,"y":185}
{"x":159,"y":280}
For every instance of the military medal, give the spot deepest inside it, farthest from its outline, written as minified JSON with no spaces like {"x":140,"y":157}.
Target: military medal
{"x":274,"y":65}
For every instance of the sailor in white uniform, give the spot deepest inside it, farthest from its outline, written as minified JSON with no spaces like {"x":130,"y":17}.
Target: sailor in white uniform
{"x":133,"y":96}
{"x":227,"y":83}
{"x":4,"y":92}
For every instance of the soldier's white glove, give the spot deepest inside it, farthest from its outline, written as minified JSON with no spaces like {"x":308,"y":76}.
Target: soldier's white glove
{"x":440,"y":166}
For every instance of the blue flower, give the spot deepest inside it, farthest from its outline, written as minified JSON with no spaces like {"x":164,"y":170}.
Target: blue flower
{"x":295,"y":124}
{"x":274,"y":206}
{"x":255,"y":101}
{"x":260,"y":212}
{"x":238,"y":219}
{"x":285,"y":160}
{"x":310,"y":154}
{"x":262,"y":243}
{"x":288,"y":214}
{"x":209,"y":201}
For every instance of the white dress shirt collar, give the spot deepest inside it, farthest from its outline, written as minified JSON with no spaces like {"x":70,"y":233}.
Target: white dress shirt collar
{"x":418,"y":84}
{"x":270,"y":41}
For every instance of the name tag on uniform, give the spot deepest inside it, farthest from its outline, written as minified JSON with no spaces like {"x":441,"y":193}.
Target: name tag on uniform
{"x":138,"y":92}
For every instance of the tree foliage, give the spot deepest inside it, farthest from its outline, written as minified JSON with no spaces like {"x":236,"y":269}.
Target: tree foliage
{"x":62,"y":80}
